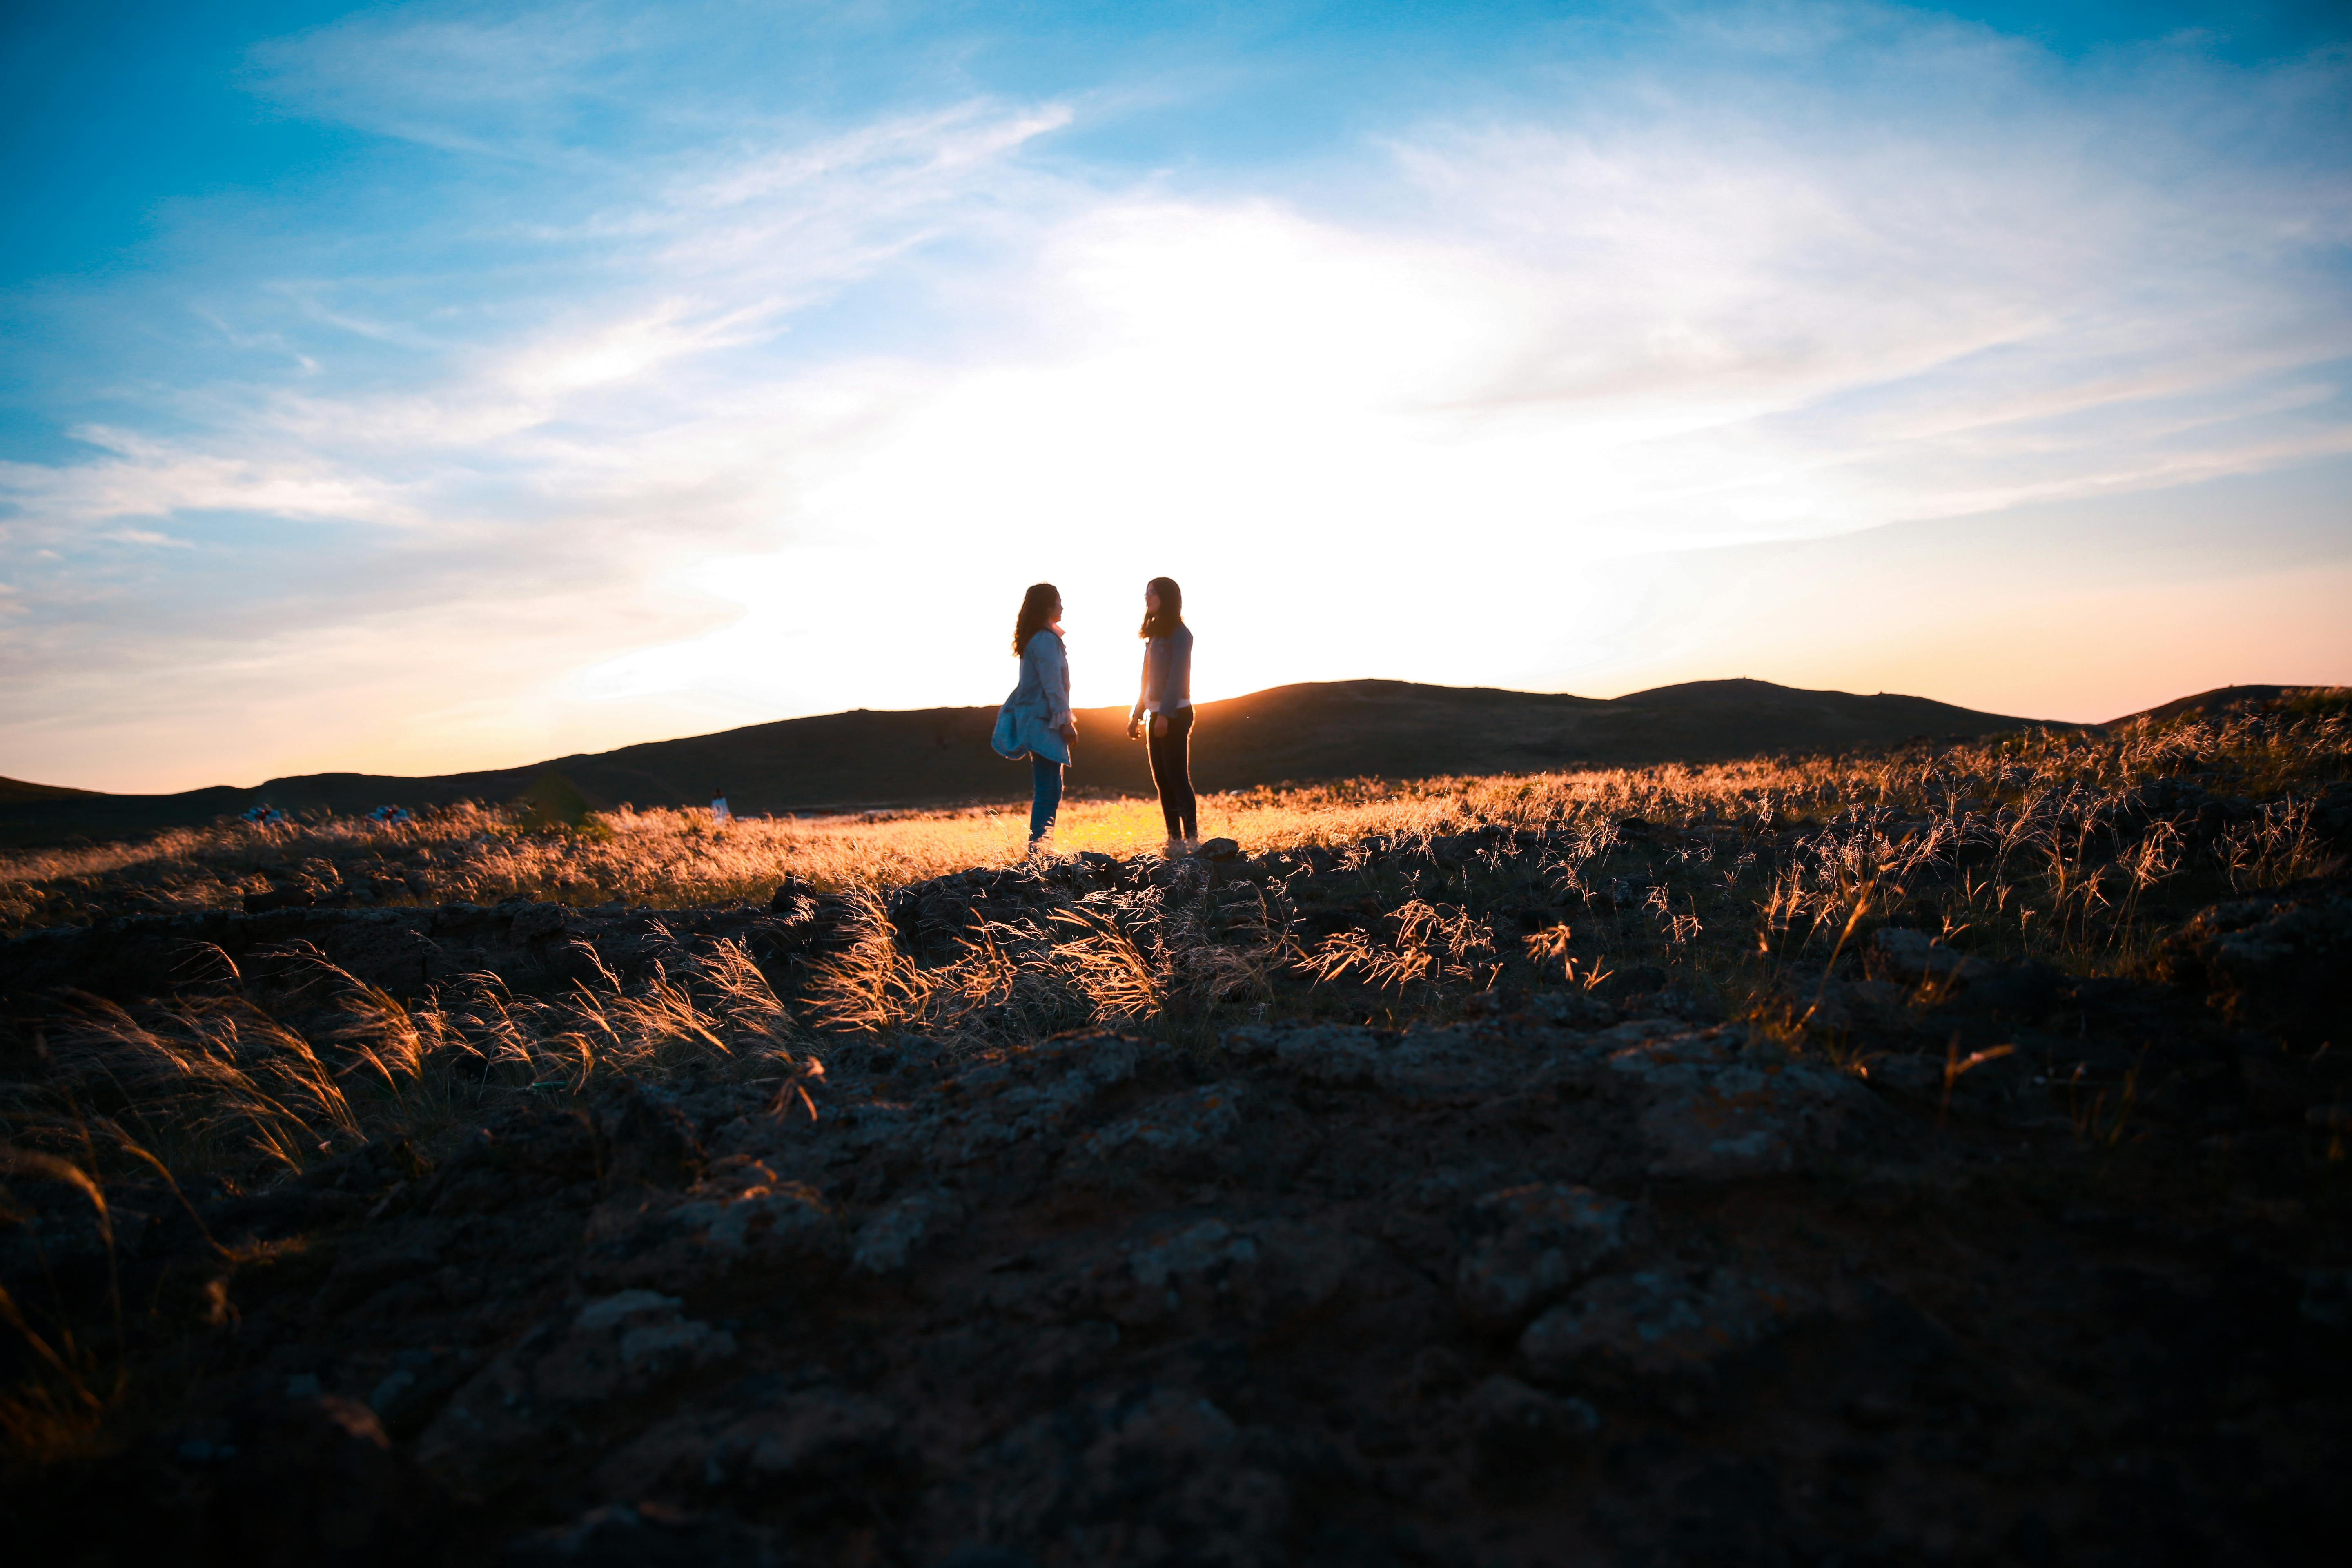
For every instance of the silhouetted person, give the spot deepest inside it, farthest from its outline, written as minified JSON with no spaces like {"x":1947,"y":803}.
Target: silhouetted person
{"x":1167,"y":700}
{"x":1035,"y":722}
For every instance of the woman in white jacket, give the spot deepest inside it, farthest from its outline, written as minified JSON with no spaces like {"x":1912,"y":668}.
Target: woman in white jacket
{"x":1036,"y":721}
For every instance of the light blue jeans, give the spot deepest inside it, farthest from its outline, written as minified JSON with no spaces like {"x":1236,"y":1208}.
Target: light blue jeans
{"x":1045,"y":800}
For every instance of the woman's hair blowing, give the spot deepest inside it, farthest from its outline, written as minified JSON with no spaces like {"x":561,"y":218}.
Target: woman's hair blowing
{"x":1159,"y":623}
{"x":1036,"y":612}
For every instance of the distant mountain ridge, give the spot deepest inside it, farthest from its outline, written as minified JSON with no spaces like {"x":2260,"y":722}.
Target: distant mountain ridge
{"x":939,"y":756}
{"x":15,"y":790}
{"x":2220,"y":701}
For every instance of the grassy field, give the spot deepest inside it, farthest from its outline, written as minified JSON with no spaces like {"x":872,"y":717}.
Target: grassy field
{"x":2015,"y":787}
{"x":1745,"y":892}
{"x":1724,"y":890}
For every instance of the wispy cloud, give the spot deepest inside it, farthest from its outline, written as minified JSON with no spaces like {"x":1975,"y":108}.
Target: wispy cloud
{"x":673,"y":417}
{"x":512,"y":86}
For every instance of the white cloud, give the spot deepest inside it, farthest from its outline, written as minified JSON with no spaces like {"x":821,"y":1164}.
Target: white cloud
{"x":781,"y":423}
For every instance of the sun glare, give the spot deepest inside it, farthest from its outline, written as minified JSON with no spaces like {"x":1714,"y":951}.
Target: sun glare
{"x":780,"y":421}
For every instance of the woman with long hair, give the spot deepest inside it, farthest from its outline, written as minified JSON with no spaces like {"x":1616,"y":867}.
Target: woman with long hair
{"x":1035,"y":722}
{"x":1166,"y":705}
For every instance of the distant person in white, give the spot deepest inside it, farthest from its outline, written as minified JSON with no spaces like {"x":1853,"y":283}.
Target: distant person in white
{"x":1035,"y":722}
{"x":719,"y":812}
{"x":1167,"y":697}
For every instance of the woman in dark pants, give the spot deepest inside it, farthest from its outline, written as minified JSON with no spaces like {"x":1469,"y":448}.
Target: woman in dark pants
{"x":1166,"y":704}
{"x":1036,"y":721}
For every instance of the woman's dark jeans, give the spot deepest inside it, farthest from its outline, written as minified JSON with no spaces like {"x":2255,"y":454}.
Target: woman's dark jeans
{"x":1171,"y":771}
{"x":1045,"y":798}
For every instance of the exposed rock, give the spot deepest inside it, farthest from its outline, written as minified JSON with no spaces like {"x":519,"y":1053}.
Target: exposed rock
{"x":1517,"y":1427}
{"x":622,"y":1344}
{"x":887,"y":1243}
{"x":1524,"y":1246}
{"x":1658,"y":1323}
{"x":802,"y":1439}
{"x":782,"y":1232}
{"x":621,"y":1535}
{"x":1573,"y":1009}
{"x":1720,"y":1105}
{"x":1154,"y":1476}
{"x":1053,"y":1090}
{"x":420,"y":1382}
{"x":2280,"y":959}
{"x":1264,"y":1273}
{"x":1174,"y":1134}
{"x":1417,"y":1063}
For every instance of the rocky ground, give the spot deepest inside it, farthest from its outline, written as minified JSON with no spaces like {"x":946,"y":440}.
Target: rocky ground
{"x":2019,"y":1266}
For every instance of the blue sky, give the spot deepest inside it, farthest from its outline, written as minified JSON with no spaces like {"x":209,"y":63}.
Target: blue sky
{"x":418,"y":387}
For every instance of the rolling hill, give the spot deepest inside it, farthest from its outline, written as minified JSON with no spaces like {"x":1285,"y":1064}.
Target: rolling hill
{"x":934,"y":756}
{"x":2213,"y":704}
{"x":12,"y":791}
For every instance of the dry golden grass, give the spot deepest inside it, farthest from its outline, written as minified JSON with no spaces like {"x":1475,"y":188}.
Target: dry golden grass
{"x":679,"y":858}
{"x":2022,"y":848}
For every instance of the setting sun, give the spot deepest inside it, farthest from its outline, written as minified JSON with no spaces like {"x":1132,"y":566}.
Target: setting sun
{"x":555,"y":434}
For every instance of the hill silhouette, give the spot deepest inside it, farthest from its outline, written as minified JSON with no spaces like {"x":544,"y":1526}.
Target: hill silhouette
{"x":867,"y":760}
{"x":2213,"y":704}
{"x":15,"y":790}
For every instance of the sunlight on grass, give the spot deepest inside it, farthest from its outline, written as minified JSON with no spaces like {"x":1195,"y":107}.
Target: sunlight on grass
{"x":680,"y":859}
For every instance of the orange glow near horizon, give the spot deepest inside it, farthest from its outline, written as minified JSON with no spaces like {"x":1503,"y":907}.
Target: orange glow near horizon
{"x":2068,"y":656}
{"x":1905,"y":356}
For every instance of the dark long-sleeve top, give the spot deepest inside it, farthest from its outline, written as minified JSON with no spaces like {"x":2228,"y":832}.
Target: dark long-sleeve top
{"x":1167,"y":673}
